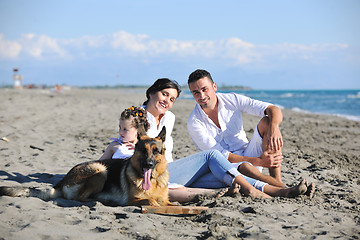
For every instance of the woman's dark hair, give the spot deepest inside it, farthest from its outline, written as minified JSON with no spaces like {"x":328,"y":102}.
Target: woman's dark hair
{"x":161,"y":84}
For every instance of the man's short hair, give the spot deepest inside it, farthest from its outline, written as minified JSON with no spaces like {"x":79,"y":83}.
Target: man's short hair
{"x":198,"y":74}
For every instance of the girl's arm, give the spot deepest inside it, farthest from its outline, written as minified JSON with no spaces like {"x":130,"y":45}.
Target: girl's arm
{"x":110,"y":150}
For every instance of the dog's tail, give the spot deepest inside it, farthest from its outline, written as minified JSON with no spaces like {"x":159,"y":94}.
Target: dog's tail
{"x":30,"y":192}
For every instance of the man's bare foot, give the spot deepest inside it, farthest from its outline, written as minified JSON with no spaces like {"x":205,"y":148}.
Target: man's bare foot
{"x":231,"y":191}
{"x":300,"y":189}
{"x":310,"y":190}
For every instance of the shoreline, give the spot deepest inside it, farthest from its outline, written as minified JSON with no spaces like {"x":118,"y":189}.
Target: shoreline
{"x":344,"y":116}
{"x":279,"y":98}
{"x":75,"y":126}
{"x":188,"y":96}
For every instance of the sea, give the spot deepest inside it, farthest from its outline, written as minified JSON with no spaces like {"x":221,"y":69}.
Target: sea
{"x":342,"y":103}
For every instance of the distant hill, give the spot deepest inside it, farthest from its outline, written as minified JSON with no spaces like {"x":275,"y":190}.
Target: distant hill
{"x":233,"y":87}
{"x":224,"y":87}
{"x":183,"y":87}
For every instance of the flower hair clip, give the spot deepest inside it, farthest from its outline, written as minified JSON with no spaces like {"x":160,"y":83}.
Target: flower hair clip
{"x":135,"y":111}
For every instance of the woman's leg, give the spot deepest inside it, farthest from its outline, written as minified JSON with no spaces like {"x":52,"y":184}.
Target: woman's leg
{"x":208,"y":180}
{"x":226,"y":173}
{"x":188,"y":170}
{"x":185,"y":194}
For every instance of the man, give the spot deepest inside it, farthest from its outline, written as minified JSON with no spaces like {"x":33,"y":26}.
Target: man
{"x":216,"y":123}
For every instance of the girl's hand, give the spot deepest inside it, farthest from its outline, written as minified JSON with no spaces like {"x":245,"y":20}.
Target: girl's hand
{"x":130,"y":145}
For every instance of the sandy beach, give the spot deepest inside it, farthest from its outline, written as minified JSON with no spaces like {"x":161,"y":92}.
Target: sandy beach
{"x":44,"y":134}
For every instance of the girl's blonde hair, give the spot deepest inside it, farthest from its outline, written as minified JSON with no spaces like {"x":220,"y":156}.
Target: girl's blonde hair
{"x":138,"y":119}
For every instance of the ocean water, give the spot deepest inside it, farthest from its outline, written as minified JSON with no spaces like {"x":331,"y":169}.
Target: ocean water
{"x":343,"y":103}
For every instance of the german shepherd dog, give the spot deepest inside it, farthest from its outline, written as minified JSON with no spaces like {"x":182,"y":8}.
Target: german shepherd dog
{"x":138,"y":180}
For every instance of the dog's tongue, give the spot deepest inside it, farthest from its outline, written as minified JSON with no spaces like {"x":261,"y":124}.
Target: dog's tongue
{"x":146,"y":182}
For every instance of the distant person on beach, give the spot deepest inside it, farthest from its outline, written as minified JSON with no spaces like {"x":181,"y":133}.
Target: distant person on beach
{"x":132,"y":122}
{"x":207,"y":169}
{"x":216,"y":123}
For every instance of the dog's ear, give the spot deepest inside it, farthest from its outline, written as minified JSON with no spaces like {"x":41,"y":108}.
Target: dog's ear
{"x":162,"y":134}
{"x":141,"y":132}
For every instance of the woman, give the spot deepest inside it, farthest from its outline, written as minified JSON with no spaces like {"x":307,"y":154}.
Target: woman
{"x":208,"y":169}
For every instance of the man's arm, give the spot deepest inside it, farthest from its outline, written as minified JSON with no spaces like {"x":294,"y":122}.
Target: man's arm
{"x":274,"y":137}
{"x":267,"y":159}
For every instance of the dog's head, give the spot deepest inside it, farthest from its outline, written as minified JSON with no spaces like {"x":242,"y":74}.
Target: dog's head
{"x":149,"y":157}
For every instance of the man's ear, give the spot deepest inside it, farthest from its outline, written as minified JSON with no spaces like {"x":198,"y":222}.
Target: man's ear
{"x":162,"y":134}
{"x":214,"y":86}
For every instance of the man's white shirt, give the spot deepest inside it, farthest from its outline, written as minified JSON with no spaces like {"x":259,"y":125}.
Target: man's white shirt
{"x":230,"y":137}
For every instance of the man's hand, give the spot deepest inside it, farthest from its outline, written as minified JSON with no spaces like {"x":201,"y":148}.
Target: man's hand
{"x":274,"y":137}
{"x":271,"y":159}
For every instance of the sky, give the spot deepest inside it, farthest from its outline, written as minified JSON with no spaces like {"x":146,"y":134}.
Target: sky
{"x":280,"y":44}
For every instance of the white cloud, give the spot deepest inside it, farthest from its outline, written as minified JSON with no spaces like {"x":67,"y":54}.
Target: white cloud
{"x":41,"y":46}
{"x":129,"y":42}
{"x":84,"y":42}
{"x":38,"y":47}
{"x":9,"y":49}
{"x":232,"y":51}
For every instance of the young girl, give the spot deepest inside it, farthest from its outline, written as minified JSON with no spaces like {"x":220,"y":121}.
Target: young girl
{"x":132,"y":122}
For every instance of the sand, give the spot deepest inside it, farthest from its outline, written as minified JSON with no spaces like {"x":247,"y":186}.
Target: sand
{"x":49,"y":132}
